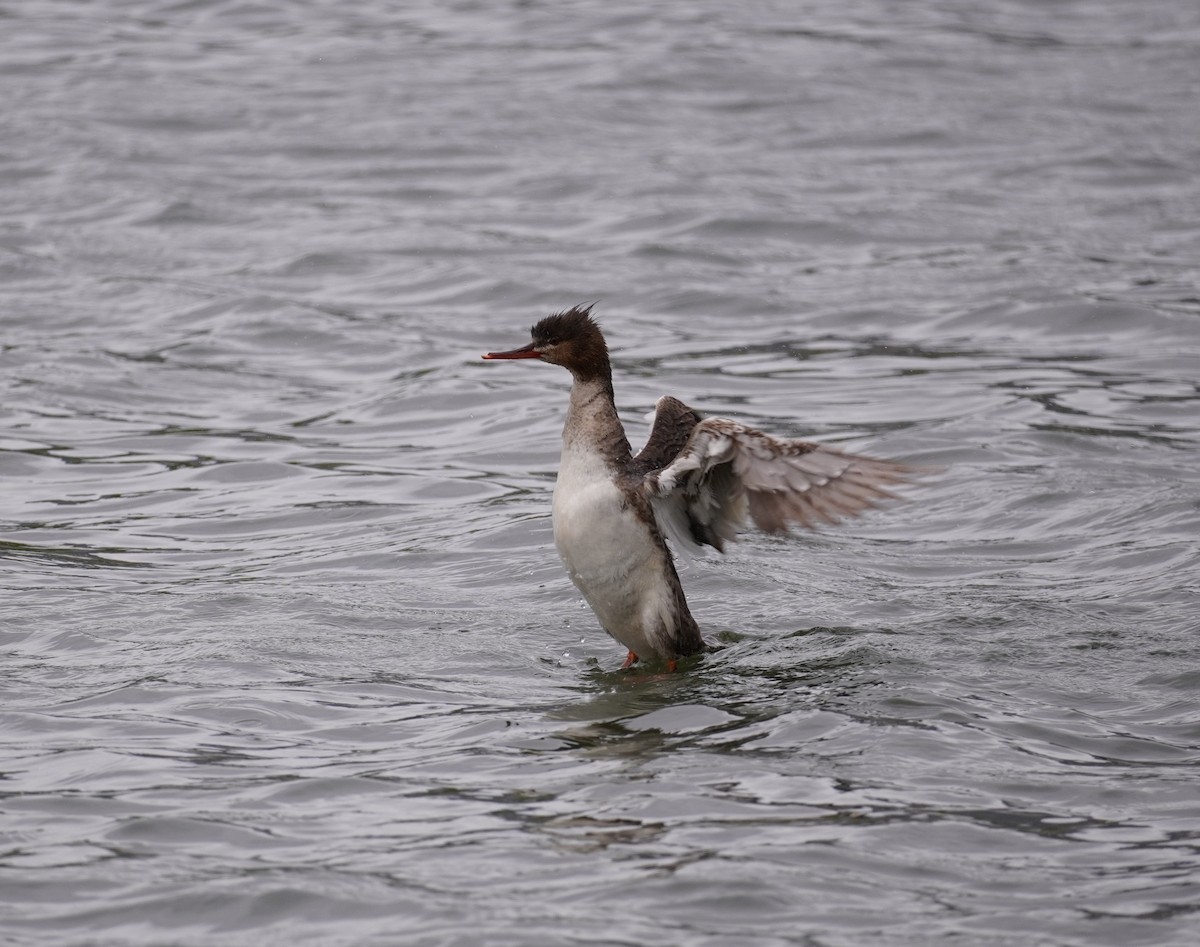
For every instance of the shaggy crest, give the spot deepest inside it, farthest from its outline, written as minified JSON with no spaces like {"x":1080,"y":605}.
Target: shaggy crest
{"x":574,"y":340}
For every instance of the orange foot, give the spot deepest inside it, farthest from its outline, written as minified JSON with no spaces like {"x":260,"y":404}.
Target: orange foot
{"x":631,"y":659}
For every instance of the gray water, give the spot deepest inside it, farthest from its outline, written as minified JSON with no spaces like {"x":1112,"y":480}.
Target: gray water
{"x":288,"y":657}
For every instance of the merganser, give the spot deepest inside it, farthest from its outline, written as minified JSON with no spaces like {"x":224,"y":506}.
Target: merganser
{"x":695,"y":480}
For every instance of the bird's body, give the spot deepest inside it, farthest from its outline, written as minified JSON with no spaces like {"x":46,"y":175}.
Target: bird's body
{"x":696,"y":480}
{"x":607,"y":535}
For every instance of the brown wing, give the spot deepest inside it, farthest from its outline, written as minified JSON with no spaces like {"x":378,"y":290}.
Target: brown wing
{"x":708,"y":516}
{"x":674,"y":422}
{"x":727,"y":468}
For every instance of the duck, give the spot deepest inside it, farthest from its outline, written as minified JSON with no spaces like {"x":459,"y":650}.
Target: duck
{"x":698,"y":481}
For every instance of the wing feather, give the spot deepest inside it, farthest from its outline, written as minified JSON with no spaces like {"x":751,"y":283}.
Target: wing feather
{"x":727,"y":471}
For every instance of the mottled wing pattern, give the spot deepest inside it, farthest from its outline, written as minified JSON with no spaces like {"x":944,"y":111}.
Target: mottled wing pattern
{"x":710,"y":516}
{"x":728,"y":469}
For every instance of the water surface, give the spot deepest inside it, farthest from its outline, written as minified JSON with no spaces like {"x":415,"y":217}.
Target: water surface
{"x":288,"y":655}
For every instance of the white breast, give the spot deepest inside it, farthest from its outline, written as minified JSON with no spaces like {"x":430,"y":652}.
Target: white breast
{"x":611,"y":554}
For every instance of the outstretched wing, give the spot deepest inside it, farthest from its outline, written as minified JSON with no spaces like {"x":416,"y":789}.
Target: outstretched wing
{"x":727,"y":470}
